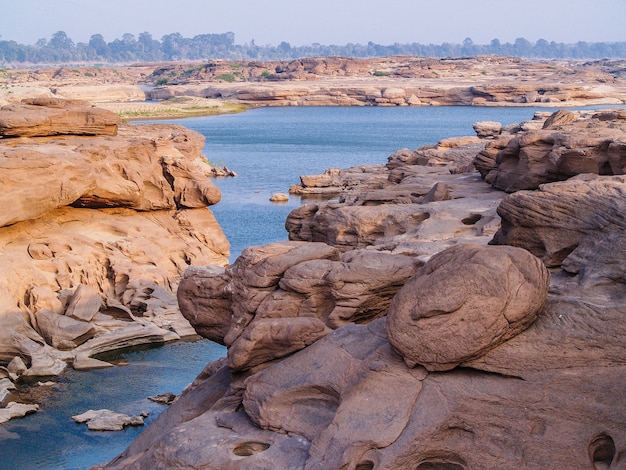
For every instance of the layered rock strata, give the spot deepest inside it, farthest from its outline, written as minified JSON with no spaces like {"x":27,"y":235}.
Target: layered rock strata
{"x":489,"y":357}
{"x":99,"y":222}
{"x":333,"y":81}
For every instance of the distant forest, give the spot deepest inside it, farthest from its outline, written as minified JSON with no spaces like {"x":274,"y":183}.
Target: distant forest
{"x":174,"y":47}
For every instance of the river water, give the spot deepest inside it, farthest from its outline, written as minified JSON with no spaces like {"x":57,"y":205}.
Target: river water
{"x":269,"y":148}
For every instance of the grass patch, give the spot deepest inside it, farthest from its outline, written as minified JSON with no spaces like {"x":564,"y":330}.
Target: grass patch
{"x":171,"y":111}
{"x":227,"y":77}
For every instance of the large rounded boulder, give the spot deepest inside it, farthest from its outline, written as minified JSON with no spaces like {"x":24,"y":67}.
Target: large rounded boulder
{"x":464,"y":302}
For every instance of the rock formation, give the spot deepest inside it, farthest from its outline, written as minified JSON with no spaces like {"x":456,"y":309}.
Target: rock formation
{"x":491,"y":356}
{"x":100,"y":221}
{"x":334,"y":81}
{"x":561,"y":149}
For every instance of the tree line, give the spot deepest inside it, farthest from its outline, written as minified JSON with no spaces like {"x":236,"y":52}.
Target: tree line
{"x":174,"y":47}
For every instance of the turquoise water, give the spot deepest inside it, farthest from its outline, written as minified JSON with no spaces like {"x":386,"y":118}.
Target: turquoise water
{"x":269,"y":148}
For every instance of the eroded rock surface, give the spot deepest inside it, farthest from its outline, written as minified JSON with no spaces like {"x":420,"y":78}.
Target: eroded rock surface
{"x":464,"y":302}
{"x":568,"y":145}
{"x":96,"y":232}
{"x":522,"y":346}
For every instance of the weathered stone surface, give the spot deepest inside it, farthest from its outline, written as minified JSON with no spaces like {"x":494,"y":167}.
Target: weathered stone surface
{"x":16,"y":410}
{"x":48,"y":117}
{"x":487,"y":129}
{"x":464,"y":302}
{"x":577,"y":224}
{"x":564,"y":148}
{"x":315,"y":294}
{"x":84,"y":304}
{"x":96,"y":236}
{"x":539,"y":376}
{"x":107,"y":420}
{"x":62,"y":332}
{"x":205,"y":301}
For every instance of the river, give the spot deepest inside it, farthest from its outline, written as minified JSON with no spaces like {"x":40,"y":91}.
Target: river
{"x":269,"y":148}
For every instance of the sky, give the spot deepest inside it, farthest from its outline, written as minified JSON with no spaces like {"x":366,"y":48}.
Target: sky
{"x":327,"y":22}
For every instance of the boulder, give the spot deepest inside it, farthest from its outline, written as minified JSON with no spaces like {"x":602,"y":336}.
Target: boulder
{"x":487,"y":129}
{"x":84,"y":304}
{"x":577,"y":224}
{"x":465,"y":301}
{"x":205,"y":300}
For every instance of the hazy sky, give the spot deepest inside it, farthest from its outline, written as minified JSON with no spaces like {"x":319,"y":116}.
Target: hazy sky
{"x":303,"y":22}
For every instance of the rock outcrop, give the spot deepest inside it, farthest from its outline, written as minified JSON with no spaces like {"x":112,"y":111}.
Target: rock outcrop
{"x":100,"y":221}
{"x":570,"y":145}
{"x":334,"y":81}
{"x":489,"y":357}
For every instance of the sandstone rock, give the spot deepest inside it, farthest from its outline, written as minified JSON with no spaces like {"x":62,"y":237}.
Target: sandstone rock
{"x":164,"y":398}
{"x":559,"y":118}
{"x":62,"y":332}
{"x":557,"y":152}
{"x":107,"y":420}
{"x":273,"y":338}
{"x":465,"y":301}
{"x":132,"y":335}
{"x":6,"y":387}
{"x":487,"y":129}
{"x":84,"y":304}
{"x":16,"y":410}
{"x":16,"y":367}
{"x":205,"y":300}
{"x":38,"y":119}
{"x":144,"y":168}
{"x":349,"y":400}
{"x":577,"y":224}
{"x":279,"y":197}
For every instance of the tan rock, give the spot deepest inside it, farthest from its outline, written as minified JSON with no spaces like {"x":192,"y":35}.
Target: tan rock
{"x":63,"y":332}
{"x":84,"y":304}
{"x":279,"y":197}
{"x":35,"y":120}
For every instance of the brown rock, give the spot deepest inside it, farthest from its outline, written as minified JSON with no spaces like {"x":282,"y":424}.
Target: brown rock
{"x":577,"y":223}
{"x":557,"y":152}
{"x":273,"y":338}
{"x":465,"y":301}
{"x":205,"y":300}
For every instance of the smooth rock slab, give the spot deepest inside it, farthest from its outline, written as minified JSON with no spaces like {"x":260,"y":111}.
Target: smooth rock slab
{"x":465,"y":301}
{"x":107,"y":420}
{"x":16,"y":410}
